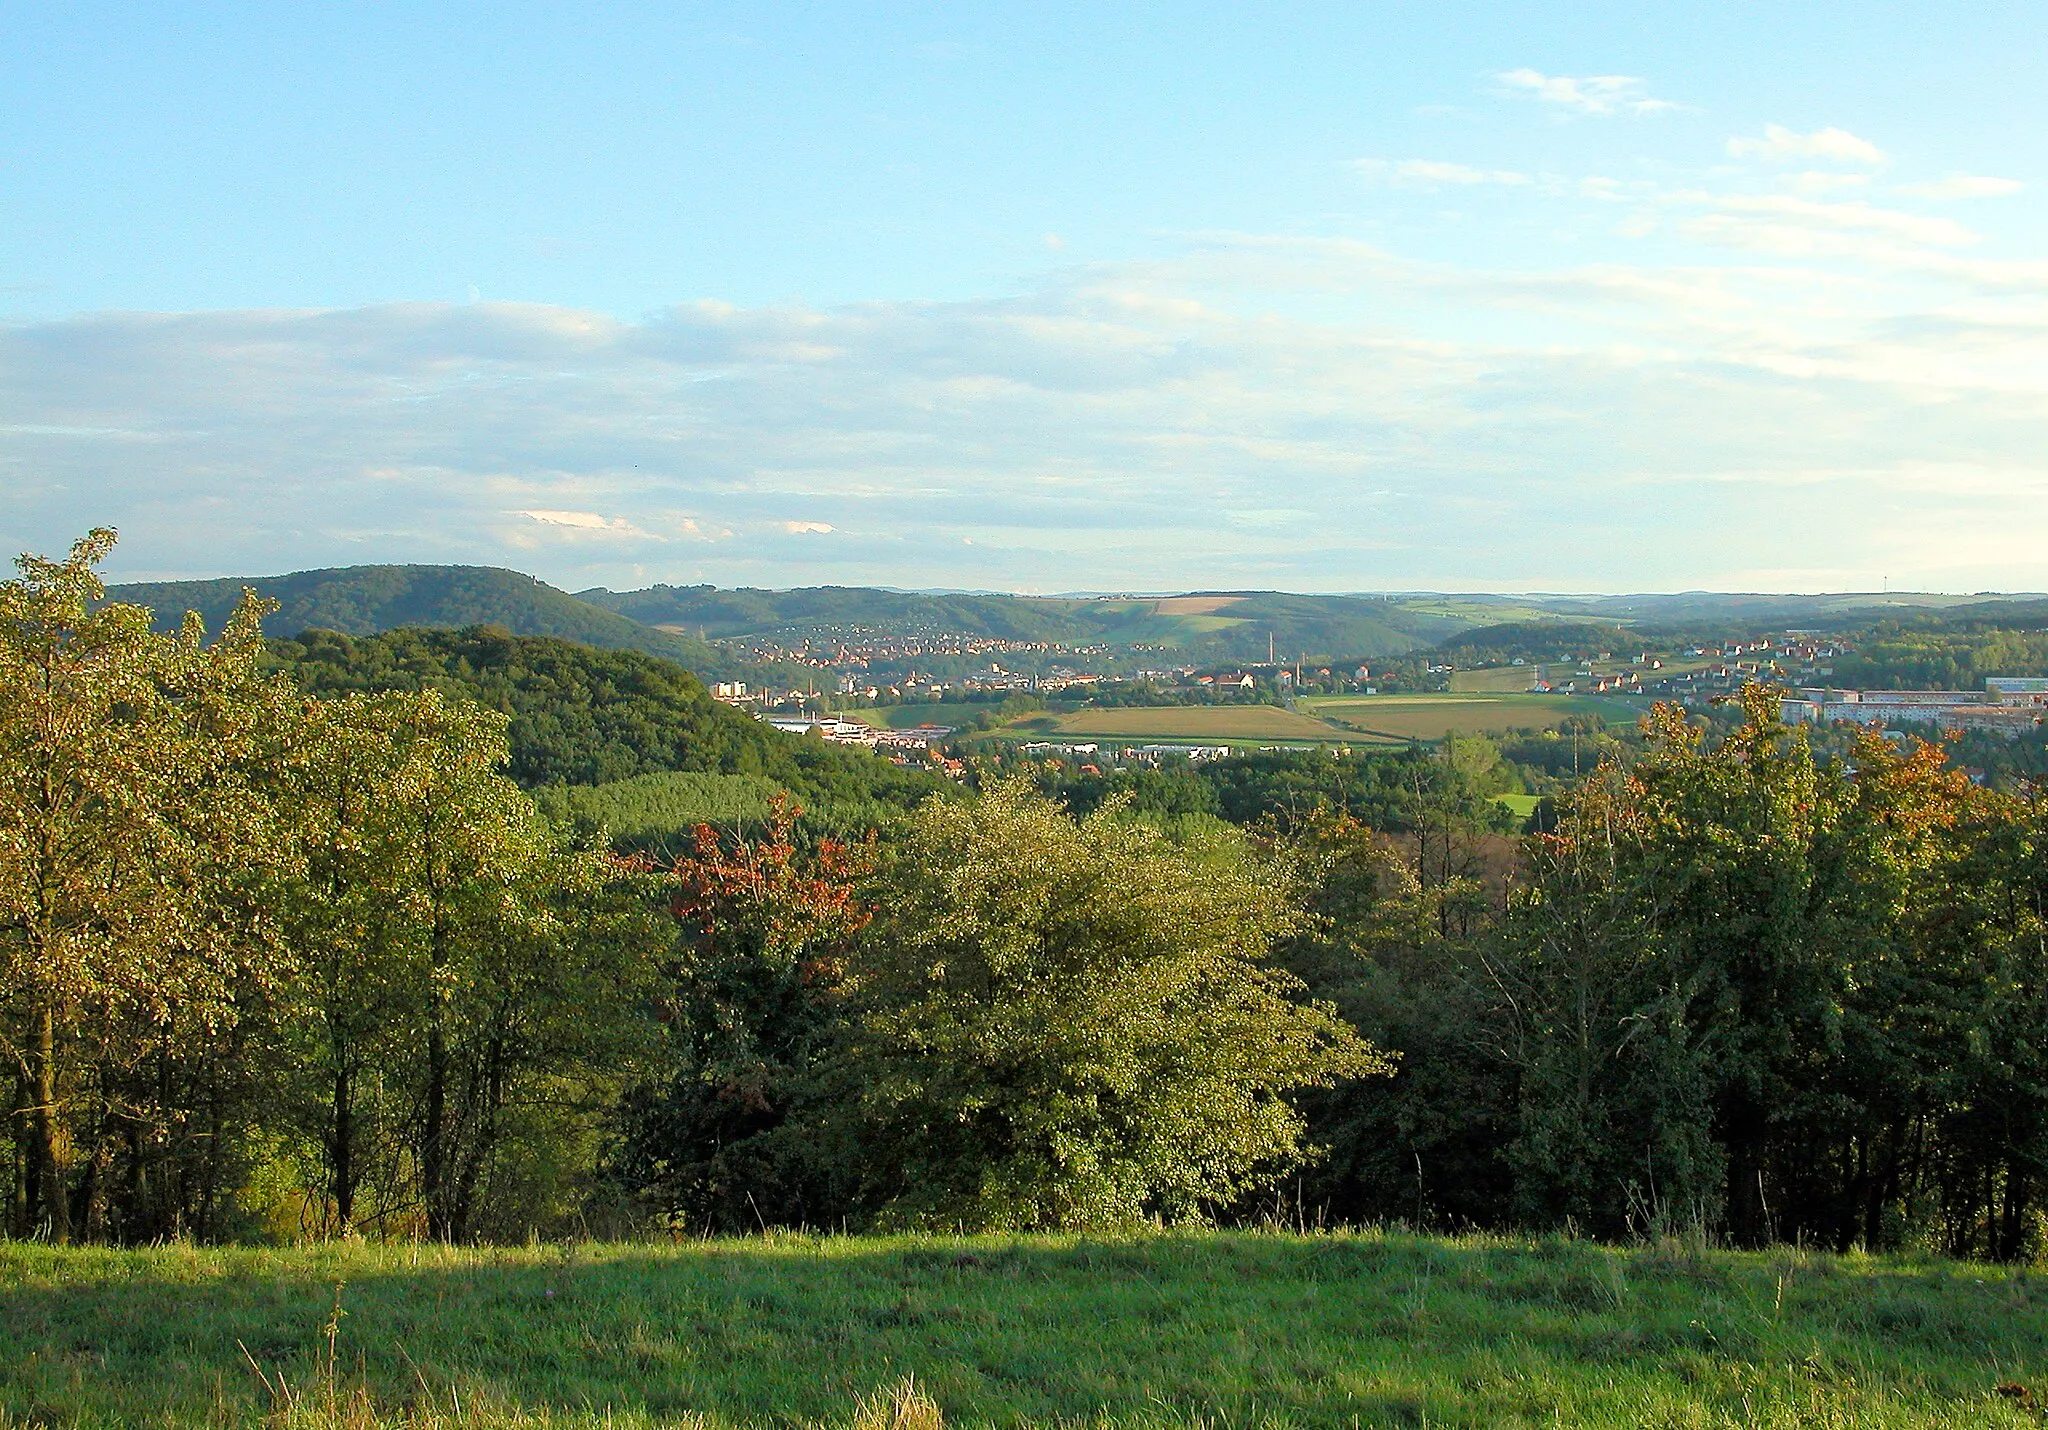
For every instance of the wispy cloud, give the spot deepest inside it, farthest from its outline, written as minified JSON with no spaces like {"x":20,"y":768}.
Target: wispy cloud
{"x":1964,"y":186}
{"x":1851,"y":217}
{"x":1823,"y":181}
{"x":587,"y":523}
{"x":1587,"y":94}
{"x":1782,"y":145}
{"x":1435,"y":173}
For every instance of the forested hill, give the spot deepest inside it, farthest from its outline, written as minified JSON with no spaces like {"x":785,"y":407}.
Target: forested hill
{"x":363,"y":600}
{"x":1217,"y":625}
{"x":1535,"y":641}
{"x":748,"y":611}
{"x":581,"y":715}
{"x":1952,"y":651}
{"x":670,"y":621}
{"x":1212,"y":627}
{"x":1714,"y":610}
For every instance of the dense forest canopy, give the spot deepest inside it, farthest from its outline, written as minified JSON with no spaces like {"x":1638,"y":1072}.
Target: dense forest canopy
{"x":366,"y":600}
{"x":1534,"y":641}
{"x":582,"y":716}
{"x":745,"y":611}
{"x":1942,"y":654}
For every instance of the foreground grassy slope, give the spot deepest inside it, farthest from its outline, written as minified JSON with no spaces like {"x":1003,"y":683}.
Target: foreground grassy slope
{"x":1217,"y":1329}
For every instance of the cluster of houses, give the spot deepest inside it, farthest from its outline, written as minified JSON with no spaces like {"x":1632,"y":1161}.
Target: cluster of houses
{"x":918,"y":745}
{"x":911,"y":687}
{"x":1127,"y":754}
{"x":2008,"y":705}
{"x":1585,"y":681}
{"x":1796,"y":655}
{"x":846,"y":647}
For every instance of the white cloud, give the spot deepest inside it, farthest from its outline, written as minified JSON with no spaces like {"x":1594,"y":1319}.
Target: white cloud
{"x":1589,"y":94}
{"x":1855,"y":216}
{"x":1781,"y":145}
{"x":1788,"y":227}
{"x":1819,"y":181}
{"x":799,"y":528}
{"x":587,"y":523}
{"x":1964,"y":186}
{"x":1433,"y":172}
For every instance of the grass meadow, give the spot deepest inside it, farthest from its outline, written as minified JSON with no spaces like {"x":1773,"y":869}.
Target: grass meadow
{"x":1239,"y":724}
{"x":910,"y":715}
{"x":1496,"y":680}
{"x":1431,"y":717}
{"x":1197,"y":1329}
{"x":1330,"y":719}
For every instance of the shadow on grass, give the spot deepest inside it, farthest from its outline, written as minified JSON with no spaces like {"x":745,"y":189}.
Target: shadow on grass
{"x":1236,"y":1328}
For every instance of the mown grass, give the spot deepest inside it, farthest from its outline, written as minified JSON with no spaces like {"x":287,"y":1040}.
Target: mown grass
{"x":950,"y":713}
{"x":1237,"y":724}
{"x":1433,"y":716}
{"x":1499,"y":680}
{"x":1219,"y":1329}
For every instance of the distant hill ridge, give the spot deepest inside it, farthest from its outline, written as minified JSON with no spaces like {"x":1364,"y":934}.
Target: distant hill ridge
{"x":367,"y":600}
{"x":1201,"y":627}
{"x":1217,"y":625}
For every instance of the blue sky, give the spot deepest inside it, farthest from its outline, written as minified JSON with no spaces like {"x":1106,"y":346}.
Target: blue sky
{"x":1040,"y":298}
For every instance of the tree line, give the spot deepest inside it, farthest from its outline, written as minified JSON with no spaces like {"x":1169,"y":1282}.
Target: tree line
{"x":276,"y":963}
{"x":286,"y":956}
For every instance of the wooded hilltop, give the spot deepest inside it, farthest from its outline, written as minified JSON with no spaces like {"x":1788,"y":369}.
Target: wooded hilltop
{"x":475,"y":937}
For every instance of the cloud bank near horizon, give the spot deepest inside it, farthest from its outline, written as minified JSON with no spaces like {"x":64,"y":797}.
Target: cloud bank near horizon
{"x":1786,"y":375}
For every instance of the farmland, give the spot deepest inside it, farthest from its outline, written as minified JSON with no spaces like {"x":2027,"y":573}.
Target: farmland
{"x":911,"y":714}
{"x":1499,"y":679}
{"x":1197,"y":1328}
{"x":1362,"y":720}
{"x":1219,"y":723}
{"x":1431,"y":717}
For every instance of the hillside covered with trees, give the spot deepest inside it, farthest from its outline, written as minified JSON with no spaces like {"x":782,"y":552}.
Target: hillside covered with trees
{"x":1535,"y":641}
{"x":1200,"y":626}
{"x":367,"y":600}
{"x":1948,"y":653}
{"x":579,"y":715}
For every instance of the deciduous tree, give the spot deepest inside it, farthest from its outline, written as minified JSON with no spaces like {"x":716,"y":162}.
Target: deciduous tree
{"x":1076,"y":1024}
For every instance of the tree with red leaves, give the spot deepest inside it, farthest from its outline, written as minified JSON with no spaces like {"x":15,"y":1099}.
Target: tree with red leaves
{"x":755,"y":993}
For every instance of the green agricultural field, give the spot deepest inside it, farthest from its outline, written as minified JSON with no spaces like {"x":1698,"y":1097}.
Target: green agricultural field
{"x":1431,"y":717}
{"x":1234,"y":724}
{"x":1503,"y":679}
{"x":1516,"y":678}
{"x":1194,"y":1329}
{"x":1474,"y":613}
{"x":905,"y":717}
